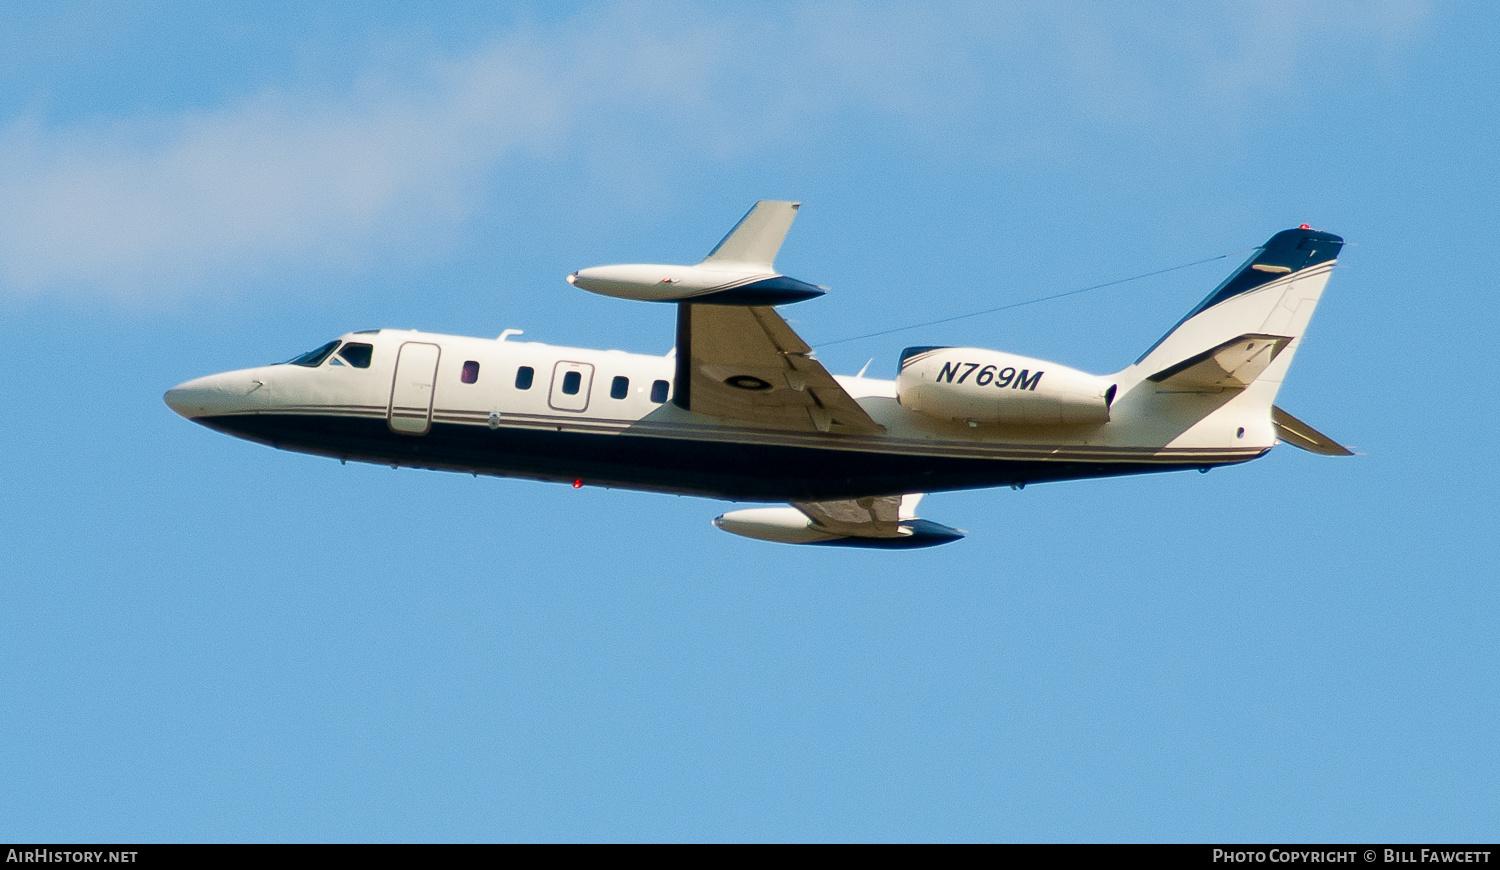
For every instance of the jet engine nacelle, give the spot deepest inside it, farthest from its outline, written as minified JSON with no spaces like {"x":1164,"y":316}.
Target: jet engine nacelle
{"x":988,"y":386}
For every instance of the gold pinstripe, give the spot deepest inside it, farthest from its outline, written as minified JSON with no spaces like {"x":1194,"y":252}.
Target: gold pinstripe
{"x":855,"y":443}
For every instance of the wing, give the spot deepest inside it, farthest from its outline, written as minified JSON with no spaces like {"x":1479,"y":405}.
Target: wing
{"x":873,"y":517}
{"x":744,"y":363}
{"x":877,"y":521}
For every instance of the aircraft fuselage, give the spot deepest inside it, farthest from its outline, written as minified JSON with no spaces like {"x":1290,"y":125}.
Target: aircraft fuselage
{"x":607,"y":418}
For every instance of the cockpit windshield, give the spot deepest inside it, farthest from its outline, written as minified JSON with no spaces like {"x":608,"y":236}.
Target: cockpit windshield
{"x":314,"y":358}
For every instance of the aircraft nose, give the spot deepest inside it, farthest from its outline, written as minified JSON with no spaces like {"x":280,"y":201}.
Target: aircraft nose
{"x":215,"y":394}
{"x":193,"y":398}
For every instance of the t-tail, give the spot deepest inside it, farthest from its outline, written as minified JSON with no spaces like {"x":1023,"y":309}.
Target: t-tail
{"x":1221,"y":366}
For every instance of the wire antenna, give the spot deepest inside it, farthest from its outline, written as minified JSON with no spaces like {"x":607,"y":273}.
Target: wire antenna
{"x":1030,"y":301}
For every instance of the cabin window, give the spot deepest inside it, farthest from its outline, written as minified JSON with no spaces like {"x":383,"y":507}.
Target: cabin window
{"x":619,"y":388}
{"x":659,"y":391}
{"x":470,"y":373}
{"x":524,"y":375}
{"x":357,"y":354}
{"x":313,"y":358}
{"x":571,"y":382}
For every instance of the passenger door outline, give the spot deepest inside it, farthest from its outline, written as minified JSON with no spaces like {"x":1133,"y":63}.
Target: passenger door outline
{"x":410,"y":410}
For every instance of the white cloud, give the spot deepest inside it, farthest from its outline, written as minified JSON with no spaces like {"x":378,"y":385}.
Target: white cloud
{"x":137,"y":204}
{"x":141,"y":207}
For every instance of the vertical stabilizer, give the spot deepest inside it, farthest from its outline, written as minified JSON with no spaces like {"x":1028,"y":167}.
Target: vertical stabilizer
{"x":1211,"y":381}
{"x":1266,"y":304}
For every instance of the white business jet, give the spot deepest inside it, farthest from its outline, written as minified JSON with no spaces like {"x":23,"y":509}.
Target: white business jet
{"x":741,"y":410}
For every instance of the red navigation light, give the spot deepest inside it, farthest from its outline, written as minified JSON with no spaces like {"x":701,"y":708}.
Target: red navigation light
{"x":1304,"y":227}
{"x":578,"y":484}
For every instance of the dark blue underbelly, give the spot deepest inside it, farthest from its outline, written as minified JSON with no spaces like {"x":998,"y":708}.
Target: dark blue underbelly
{"x":715,"y":469}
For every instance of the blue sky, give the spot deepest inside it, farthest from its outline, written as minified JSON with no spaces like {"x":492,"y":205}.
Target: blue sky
{"x":204,"y":639}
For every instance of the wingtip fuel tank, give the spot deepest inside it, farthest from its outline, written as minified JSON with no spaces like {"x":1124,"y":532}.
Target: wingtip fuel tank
{"x":789,"y":525}
{"x":653,"y":282}
{"x":740,"y":270}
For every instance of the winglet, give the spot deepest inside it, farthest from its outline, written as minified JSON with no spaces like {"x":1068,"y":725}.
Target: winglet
{"x":757,"y":238}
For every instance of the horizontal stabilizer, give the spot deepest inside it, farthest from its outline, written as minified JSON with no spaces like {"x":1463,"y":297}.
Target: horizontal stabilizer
{"x":757,"y":238}
{"x":1298,"y":434}
{"x":1233,"y":365}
